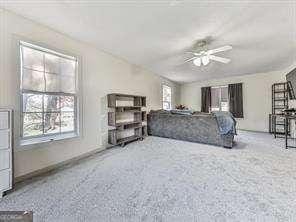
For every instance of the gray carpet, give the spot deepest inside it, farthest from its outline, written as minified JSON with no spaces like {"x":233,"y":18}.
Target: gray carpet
{"x":168,"y":180}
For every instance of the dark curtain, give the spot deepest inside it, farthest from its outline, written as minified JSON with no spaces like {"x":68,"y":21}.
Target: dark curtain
{"x":235,"y":94}
{"x":205,"y":99}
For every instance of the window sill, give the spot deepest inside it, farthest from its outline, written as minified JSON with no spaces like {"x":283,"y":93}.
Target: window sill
{"x":47,"y":139}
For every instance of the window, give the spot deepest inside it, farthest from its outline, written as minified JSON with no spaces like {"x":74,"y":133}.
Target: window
{"x":166,"y":97}
{"x":48,"y":93}
{"x":219,"y":98}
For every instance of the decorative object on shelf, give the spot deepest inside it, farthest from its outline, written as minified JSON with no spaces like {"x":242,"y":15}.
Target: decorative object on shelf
{"x":126,"y":120}
{"x":6,"y":150}
{"x":181,"y":107}
{"x":291,"y":111}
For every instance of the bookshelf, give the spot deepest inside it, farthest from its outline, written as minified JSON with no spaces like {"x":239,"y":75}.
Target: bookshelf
{"x":127,"y":120}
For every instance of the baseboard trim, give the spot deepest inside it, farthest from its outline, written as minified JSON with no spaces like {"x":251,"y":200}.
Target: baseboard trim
{"x":57,"y":166}
{"x":254,"y":131}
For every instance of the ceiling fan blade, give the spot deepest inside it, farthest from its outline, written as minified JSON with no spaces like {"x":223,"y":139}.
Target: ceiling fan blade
{"x":188,"y":60}
{"x":221,"y":49}
{"x":194,"y":53}
{"x":219,"y":59}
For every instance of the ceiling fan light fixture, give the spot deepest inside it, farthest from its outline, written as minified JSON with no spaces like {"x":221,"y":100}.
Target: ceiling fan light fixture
{"x":197,"y":62}
{"x":205,"y":60}
{"x":202,"y":56}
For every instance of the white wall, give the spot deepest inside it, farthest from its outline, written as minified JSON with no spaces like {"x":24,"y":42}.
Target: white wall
{"x":256,"y":96}
{"x":102,"y":73}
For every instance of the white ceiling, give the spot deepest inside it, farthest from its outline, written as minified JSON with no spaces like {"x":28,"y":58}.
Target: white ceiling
{"x":156,"y":34}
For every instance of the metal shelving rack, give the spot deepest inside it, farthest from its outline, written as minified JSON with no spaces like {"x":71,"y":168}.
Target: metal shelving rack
{"x":280,"y":101}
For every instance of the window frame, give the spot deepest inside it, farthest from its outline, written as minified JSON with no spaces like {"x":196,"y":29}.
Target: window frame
{"x":30,"y":140}
{"x":220,"y":96}
{"x":171,"y":95}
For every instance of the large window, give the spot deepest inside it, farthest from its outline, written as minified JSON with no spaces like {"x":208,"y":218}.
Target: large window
{"x":219,"y":98}
{"x":166,"y":97}
{"x":48,"y":93}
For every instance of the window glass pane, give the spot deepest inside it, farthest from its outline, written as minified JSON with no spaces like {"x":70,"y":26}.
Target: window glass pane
{"x":68,"y":67}
{"x":51,"y":103}
{"x":52,"y":123}
{"x":32,"y":59}
{"x":33,"y":80}
{"x":166,"y":94}
{"x":224,"y":94}
{"x":215,"y":109}
{"x":52,"y":82}
{"x":32,"y":125}
{"x":68,"y":84}
{"x":215,"y":99}
{"x":219,"y":97}
{"x":67,"y":103}
{"x":67,"y":122}
{"x":52,"y":63}
{"x":224,"y":99}
{"x":166,"y":105}
{"x":224,"y":106}
{"x":32,"y":103}
{"x":166,"y":97}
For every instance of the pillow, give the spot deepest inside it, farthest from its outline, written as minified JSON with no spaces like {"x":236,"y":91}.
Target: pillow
{"x":181,"y":112}
{"x":160,"y":111}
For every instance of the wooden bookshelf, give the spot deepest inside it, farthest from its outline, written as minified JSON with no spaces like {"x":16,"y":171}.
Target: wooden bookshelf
{"x":126,"y":130}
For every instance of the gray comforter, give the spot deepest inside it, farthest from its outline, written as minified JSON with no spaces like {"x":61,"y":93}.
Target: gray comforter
{"x":202,"y":128}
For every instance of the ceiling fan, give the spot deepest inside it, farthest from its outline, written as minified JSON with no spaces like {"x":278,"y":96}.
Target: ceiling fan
{"x":203,"y":56}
